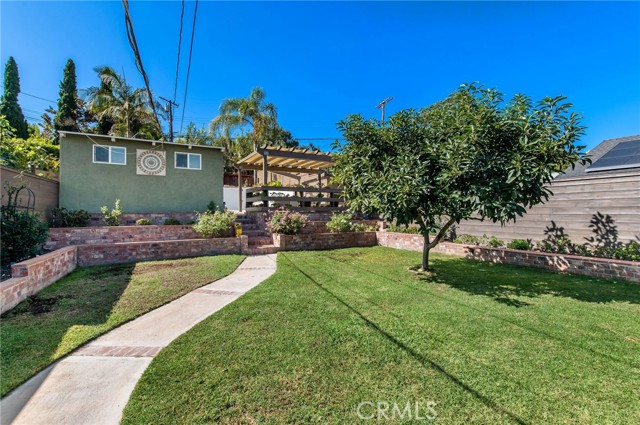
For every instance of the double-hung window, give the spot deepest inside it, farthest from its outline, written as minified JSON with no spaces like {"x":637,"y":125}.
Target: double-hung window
{"x":188,"y":161}
{"x":109,"y":155}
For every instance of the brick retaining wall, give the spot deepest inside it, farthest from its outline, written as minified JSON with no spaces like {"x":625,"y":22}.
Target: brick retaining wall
{"x":30,"y":276}
{"x":588,"y":266}
{"x":319,"y":241}
{"x":65,"y":236}
{"x":131,"y":252}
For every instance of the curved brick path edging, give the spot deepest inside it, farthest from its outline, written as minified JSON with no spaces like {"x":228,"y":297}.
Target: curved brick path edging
{"x":93,"y":384}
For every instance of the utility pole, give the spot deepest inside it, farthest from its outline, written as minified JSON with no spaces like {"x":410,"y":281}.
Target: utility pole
{"x":382,"y":105}
{"x":169,"y":108}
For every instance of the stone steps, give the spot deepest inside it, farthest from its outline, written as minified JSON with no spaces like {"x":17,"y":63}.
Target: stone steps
{"x":260,"y":240}
{"x":262,"y":249}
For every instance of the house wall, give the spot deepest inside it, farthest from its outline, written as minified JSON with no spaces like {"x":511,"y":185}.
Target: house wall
{"x":45,"y":190}
{"x":88,"y":186}
{"x":575,"y":203}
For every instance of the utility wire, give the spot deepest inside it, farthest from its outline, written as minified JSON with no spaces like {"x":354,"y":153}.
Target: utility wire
{"x":175,"y":88}
{"x":186,"y":87}
{"x":37,"y":97}
{"x":136,"y":52}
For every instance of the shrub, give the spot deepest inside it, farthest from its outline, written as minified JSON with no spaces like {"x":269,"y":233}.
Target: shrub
{"x":212,"y":207}
{"x":61,"y":217}
{"x":214,"y":224}
{"x":275,"y":183}
{"x":144,"y":222}
{"x":285,"y":222}
{"x":393,"y":227}
{"x":22,"y":233}
{"x":112,"y":218}
{"x":361,"y":227}
{"x":190,"y":222}
{"x":467,"y":240}
{"x":340,"y":223}
{"x":519,"y":244}
{"x":172,"y":222}
{"x":494,"y":242}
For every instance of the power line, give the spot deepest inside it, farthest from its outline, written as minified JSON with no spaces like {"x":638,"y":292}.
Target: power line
{"x":175,"y":88}
{"x":186,"y":87}
{"x":37,"y":97}
{"x":136,"y":52}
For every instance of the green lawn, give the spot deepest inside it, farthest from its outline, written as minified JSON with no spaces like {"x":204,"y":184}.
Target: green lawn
{"x":91,"y":301}
{"x":331,"y":329}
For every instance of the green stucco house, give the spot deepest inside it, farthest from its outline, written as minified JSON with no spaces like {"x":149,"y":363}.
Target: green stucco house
{"x":148,"y":176}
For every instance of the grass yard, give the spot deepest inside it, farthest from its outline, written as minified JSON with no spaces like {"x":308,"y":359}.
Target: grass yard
{"x":487,"y":343}
{"x":91,"y":301}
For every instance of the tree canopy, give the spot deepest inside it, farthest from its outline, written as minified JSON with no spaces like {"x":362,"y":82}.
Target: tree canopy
{"x":470,"y":154}
{"x":9,"y":106}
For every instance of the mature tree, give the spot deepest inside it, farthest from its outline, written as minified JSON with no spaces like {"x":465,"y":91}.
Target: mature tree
{"x":9,"y":106}
{"x":194,"y":135}
{"x":68,"y":105}
{"x":127,"y":108}
{"x":468,"y":155}
{"x":242,"y":112}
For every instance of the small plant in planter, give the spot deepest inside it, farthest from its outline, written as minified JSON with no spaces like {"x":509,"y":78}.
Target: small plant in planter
{"x":61,"y":217}
{"x":285,"y":222}
{"x":172,"y":222}
{"x":520,"y":244}
{"x":143,"y":222}
{"x":340,"y":223}
{"x":112,"y":218}
{"x":214,"y":224}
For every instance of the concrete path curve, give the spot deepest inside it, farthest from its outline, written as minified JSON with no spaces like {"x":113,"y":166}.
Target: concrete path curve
{"x":94,"y":383}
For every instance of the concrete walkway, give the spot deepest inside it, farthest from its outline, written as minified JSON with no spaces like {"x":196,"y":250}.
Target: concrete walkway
{"x":93,"y":385}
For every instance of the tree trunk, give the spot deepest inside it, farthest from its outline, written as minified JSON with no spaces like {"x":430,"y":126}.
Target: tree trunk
{"x":425,"y":252}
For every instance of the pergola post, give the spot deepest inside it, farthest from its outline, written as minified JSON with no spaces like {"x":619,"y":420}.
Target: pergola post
{"x":239,"y":189}
{"x":265,"y":166}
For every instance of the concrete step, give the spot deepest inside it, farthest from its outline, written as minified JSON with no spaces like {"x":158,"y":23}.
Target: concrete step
{"x":255,"y":233}
{"x":260,"y":240}
{"x":262,"y":249}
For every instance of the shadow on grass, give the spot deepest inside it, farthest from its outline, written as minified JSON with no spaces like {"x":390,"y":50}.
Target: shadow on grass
{"x":34,"y":332}
{"x":422,"y":359}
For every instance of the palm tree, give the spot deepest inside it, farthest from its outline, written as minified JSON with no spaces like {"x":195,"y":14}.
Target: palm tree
{"x":120,"y":109}
{"x":239,"y":112}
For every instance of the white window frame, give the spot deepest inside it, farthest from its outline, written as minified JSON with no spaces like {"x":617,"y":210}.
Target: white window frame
{"x":175,"y":160}
{"x":109,"y":161}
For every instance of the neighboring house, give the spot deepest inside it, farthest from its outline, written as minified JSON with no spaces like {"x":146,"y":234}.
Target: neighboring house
{"x":597,"y":203}
{"x":147,"y":176}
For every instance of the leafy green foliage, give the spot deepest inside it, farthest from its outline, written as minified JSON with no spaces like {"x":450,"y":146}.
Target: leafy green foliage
{"x":468,"y":154}
{"x":171,"y":222}
{"x":9,"y":106}
{"x":23,"y":234}
{"x":275,"y":183}
{"x":285,"y":222}
{"x":144,"y":222}
{"x":61,"y":217}
{"x":68,"y":103}
{"x":340,"y":223}
{"x":403,"y":228}
{"x":212,"y":207}
{"x":215,"y":224}
{"x":521,"y":244}
{"x":41,"y":152}
{"x":112,"y":218}
{"x":494,"y":242}
{"x":362,"y":227}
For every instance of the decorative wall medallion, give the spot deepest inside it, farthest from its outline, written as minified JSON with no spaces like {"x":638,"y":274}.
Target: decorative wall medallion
{"x":151,"y":163}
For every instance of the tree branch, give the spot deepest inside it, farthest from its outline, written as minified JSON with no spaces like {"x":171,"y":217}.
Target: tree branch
{"x":441,"y":233}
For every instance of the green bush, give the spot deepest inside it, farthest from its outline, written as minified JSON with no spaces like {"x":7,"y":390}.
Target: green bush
{"x":212,"y":207}
{"x":215,"y":224}
{"x":494,"y":242}
{"x":340,"y":223}
{"x":112,"y":218}
{"x":22,"y":233}
{"x":61,"y":217}
{"x":144,"y":222}
{"x":275,"y":183}
{"x":172,"y":222}
{"x":519,"y":244}
{"x":361,"y":227}
{"x":467,"y":240}
{"x":393,"y":227}
{"x":285,"y":222}
{"x":190,"y":222}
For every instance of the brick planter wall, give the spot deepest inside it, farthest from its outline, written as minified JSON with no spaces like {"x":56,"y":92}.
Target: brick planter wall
{"x":588,"y":266}
{"x":30,"y":276}
{"x":156,"y":218}
{"x":321,"y":226}
{"x":131,"y":252}
{"x":66,"y":236}
{"x":319,"y":241}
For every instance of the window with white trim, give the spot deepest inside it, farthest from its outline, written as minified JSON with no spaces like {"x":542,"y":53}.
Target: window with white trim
{"x":109,"y":155}
{"x":188,"y":161}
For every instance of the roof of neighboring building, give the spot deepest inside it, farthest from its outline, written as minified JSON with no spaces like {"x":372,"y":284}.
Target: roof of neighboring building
{"x":91,"y":136}
{"x":595,"y":154}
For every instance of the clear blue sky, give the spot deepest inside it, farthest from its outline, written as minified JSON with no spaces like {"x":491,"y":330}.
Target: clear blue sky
{"x":319,"y":62}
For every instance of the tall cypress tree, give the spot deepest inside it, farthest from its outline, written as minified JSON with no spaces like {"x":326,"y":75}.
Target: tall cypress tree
{"x":9,"y":106}
{"x":67,"y":116}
